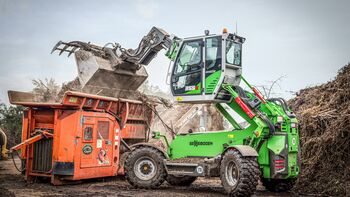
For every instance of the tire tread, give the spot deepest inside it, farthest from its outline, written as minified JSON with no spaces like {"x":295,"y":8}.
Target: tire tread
{"x":249,"y":174}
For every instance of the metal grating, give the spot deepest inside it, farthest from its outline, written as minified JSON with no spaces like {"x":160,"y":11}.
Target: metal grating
{"x":42,"y":160}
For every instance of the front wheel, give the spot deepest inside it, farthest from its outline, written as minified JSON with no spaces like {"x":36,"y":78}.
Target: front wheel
{"x":144,"y":168}
{"x":239,"y":175}
{"x":278,"y":185}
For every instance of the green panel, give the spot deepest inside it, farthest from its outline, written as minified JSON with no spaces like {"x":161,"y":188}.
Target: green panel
{"x":292,"y":161}
{"x":276,"y":143}
{"x":293,"y":141}
{"x":208,"y":144}
{"x":172,"y":52}
{"x":263,"y":158}
{"x":211,"y":81}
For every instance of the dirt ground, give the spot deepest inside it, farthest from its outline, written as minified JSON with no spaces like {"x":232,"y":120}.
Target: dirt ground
{"x":12,"y":183}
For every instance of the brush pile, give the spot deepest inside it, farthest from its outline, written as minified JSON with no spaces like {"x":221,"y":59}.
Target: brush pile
{"x":324,"y":115}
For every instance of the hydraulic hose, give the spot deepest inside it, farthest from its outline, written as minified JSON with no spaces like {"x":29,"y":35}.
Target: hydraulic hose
{"x":243,"y":95}
{"x":241,"y":92}
{"x":14,"y":162}
{"x":268,"y":122}
{"x":284,"y":106}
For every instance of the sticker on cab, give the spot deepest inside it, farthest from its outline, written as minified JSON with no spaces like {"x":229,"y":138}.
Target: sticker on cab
{"x":99,"y":143}
{"x":189,"y":88}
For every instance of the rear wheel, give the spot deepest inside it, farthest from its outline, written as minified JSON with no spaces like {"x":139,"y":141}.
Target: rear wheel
{"x":239,"y":175}
{"x":278,"y":185}
{"x":180,"y":180}
{"x":144,"y":168}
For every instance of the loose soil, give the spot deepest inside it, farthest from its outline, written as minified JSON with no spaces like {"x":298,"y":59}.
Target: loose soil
{"x":12,"y":183}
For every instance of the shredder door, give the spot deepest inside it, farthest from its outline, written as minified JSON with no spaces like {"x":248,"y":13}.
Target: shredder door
{"x":97,"y":142}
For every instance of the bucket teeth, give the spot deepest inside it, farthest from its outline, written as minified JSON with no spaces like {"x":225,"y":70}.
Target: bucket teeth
{"x":71,"y":47}
{"x":73,"y":50}
{"x":64,"y":49}
{"x":56,"y":46}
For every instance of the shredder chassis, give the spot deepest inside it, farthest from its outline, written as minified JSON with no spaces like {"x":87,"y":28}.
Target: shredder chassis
{"x":57,"y":142}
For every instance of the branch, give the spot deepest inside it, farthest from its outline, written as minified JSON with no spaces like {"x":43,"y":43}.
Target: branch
{"x":273,"y":83}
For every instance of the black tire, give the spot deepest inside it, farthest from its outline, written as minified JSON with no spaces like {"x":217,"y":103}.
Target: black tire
{"x":239,"y":175}
{"x":278,"y":185}
{"x":180,"y":180}
{"x":144,"y":168}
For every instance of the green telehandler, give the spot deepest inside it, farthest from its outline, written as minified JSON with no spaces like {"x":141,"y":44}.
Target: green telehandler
{"x":264,"y":141}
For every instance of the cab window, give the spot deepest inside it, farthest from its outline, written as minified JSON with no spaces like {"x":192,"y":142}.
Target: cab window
{"x":233,"y":53}
{"x":213,"y":58}
{"x":189,"y":58}
{"x":186,"y":78}
{"x":213,"y":53}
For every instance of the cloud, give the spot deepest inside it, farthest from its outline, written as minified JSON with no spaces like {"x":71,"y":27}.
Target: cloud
{"x":147,"y":8}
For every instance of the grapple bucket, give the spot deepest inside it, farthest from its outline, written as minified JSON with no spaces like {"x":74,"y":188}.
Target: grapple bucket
{"x":97,"y":75}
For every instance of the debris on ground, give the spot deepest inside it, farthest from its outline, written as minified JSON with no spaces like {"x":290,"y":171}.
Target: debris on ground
{"x":12,"y":183}
{"x":324,"y":115}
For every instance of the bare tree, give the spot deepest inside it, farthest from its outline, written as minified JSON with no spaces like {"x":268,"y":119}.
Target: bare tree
{"x":268,"y":89}
{"x":47,"y":90}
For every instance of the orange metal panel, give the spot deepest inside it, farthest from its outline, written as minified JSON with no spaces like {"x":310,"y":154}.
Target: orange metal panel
{"x":44,"y":116}
{"x":25,"y":131}
{"x":69,"y":122}
{"x":56,"y":135}
{"x":134,"y":131}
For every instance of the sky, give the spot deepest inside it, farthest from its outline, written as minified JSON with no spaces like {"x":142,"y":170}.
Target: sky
{"x":305,"y":41}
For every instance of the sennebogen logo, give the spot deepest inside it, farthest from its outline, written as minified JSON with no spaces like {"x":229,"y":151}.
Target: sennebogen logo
{"x":198,"y":143}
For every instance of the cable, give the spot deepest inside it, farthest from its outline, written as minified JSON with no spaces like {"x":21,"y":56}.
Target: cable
{"x":284,"y":106}
{"x":14,"y":163}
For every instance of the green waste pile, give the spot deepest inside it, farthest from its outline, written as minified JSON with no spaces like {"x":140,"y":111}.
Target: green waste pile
{"x":324,"y":115}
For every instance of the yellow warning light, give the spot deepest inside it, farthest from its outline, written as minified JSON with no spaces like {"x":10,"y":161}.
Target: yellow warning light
{"x":224,"y":31}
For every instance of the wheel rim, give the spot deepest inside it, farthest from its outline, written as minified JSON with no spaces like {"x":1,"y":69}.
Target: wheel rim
{"x":145,"y":168}
{"x":232,"y":174}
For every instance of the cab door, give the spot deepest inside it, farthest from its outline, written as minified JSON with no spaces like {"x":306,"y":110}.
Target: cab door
{"x":213,"y":63}
{"x":188,"y":68}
